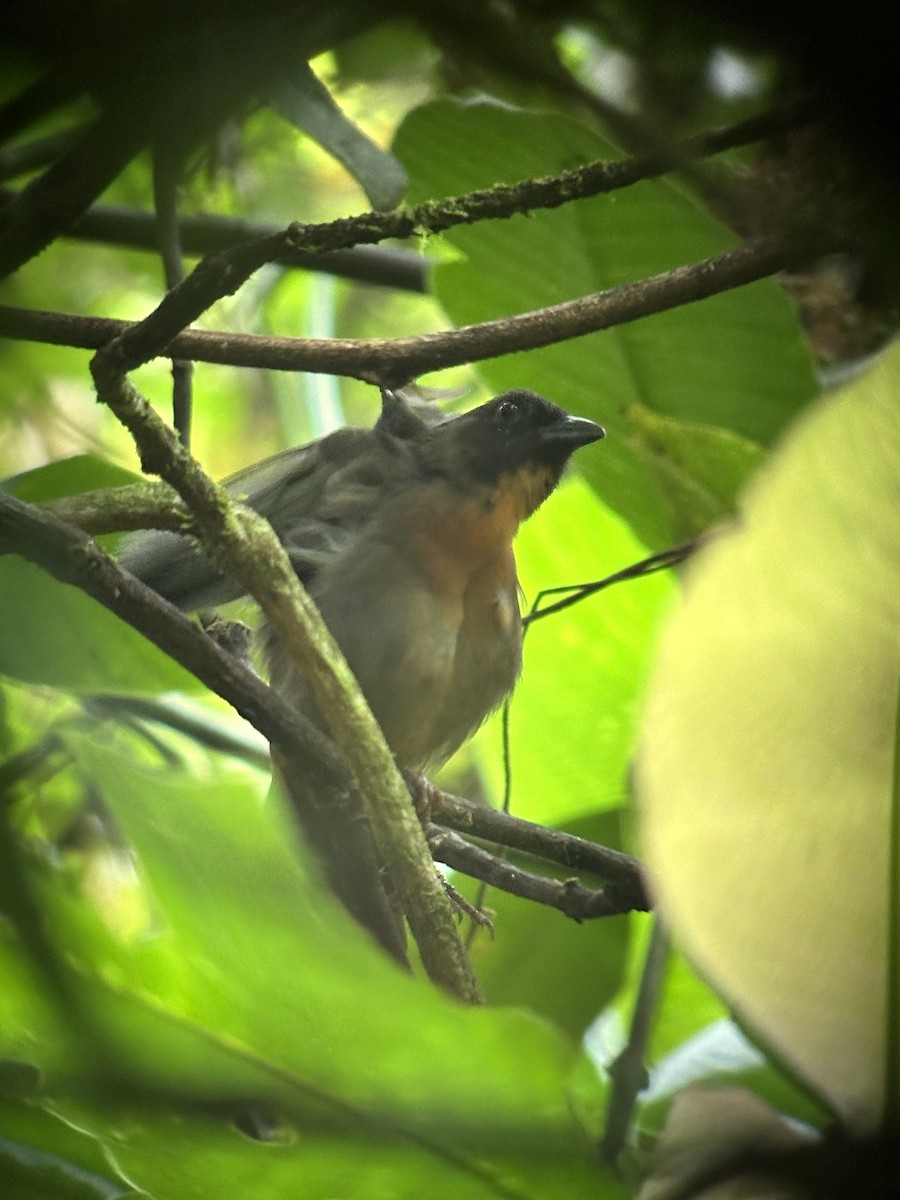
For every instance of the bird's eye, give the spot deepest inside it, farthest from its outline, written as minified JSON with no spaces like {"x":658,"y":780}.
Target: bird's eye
{"x":507,"y":410}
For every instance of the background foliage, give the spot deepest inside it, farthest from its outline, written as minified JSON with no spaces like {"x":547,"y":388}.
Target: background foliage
{"x":185,"y":1011}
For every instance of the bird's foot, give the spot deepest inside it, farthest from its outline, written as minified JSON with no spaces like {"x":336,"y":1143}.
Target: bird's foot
{"x":465,"y":909}
{"x":423,"y":794}
{"x":234,"y":637}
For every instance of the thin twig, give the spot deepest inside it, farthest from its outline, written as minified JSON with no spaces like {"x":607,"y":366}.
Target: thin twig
{"x":569,"y":895}
{"x":554,"y":845}
{"x":576,"y":592}
{"x":628,"y":1072}
{"x":197,"y":726}
{"x":165,"y":199}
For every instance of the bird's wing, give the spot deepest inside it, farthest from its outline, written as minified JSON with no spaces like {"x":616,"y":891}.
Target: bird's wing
{"x":316,"y":497}
{"x":288,"y":488}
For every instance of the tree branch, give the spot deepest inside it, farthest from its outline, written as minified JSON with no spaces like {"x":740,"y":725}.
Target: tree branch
{"x":569,"y":896}
{"x":72,"y":557}
{"x":117,"y":510}
{"x":242,"y":544}
{"x":383,"y":266}
{"x":628,"y":1071}
{"x":394,"y":362}
{"x":622,"y":871}
{"x":222,"y":274}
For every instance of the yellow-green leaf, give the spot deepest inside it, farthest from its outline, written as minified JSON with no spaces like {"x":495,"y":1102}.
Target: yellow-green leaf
{"x":768,"y":770}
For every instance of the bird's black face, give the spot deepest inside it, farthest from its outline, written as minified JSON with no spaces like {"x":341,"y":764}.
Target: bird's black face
{"x":514,"y":430}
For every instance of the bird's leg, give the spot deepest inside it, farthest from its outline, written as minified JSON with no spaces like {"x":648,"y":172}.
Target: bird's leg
{"x":422,"y":793}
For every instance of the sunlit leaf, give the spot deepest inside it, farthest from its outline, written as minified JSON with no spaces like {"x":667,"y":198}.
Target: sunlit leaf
{"x":250,"y":987}
{"x":306,"y":101}
{"x":735,"y":362}
{"x":768,"y":764}
{"x":53,"y":633}
{"x":573,"y":712}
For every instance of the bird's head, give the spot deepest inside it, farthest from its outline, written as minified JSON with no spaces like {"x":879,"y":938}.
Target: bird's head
{"x":518,"y":442}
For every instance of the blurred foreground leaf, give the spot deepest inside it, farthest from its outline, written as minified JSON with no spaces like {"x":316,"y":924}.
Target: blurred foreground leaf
{"x":247,"y":989}
{"x":767,"y":780}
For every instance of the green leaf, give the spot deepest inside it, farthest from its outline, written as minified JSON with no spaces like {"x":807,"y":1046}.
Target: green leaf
{"x":306,"y":102}
{"x":53,"y":633}
{"x":42,"y":1156}
{"x":736,"y":362}
{"x":249,"y":987}
{"x":767,"y":772}
{"x":189,"y":1158}
{"x":564,"y":970}
{"x":68,"y":477}
{"x":701,"y":467}
{"x":573,"y":712}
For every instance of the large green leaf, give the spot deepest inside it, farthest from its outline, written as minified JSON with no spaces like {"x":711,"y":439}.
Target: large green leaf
{"x":768,"y":769}
{"x":68,"y":477}
{"x":574,"y":710}
{"x":534,"y":948}
{"x":55,"y":634}
{"x":735,"y":363}
{"x":247,"y":986}
{"x":42,"y":1156}
{"x":192,"y":1158}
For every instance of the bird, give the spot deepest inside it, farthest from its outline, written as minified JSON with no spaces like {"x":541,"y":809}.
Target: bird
{"x":403,"y":535}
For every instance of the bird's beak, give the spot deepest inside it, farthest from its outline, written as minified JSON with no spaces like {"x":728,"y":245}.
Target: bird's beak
{"x":573,"y":431}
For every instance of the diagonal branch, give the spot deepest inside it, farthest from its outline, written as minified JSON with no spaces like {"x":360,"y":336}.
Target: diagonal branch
{"x":72,"y":557}
{"x":243,"y":544}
